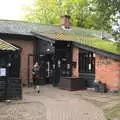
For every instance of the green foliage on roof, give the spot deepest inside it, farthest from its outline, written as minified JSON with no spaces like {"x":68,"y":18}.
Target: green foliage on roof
{"x":87,"y":40}
{"x":80,"y":35}
{"x":4,"y":46}
{"x":101,"y":44}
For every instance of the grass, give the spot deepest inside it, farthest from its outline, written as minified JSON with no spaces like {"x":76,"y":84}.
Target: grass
{"x":101,"y":44}
{"x":113,"y":113}
{"x":88,"y":40}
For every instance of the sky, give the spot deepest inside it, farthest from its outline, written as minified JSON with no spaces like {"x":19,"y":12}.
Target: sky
{"x":12,"y":9}
{"x":116,"y":26}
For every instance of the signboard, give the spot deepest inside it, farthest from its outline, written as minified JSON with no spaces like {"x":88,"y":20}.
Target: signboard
{"x":2,"y":71}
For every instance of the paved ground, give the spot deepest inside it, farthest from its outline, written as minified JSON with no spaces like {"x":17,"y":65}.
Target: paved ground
{"x":108,"y":102}
{"x":50,"y":104}
{"x":102,"y":100}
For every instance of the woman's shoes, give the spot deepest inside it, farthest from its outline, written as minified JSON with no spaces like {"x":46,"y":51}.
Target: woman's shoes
{"x":38,"y":89}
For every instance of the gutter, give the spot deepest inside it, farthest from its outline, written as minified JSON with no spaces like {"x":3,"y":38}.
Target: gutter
{"x":97,"y":50}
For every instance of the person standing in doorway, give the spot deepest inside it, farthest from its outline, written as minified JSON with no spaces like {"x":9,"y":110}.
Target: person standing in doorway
{"x":36,"y":76}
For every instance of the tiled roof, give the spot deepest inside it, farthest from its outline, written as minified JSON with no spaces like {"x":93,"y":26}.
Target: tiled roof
{"x":79,"y":35}
{"x":5,"y":46}
{"x":25,"y":28}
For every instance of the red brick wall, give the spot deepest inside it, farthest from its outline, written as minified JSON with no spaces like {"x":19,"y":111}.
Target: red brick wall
{"x":108,"y":71}
{"x":75,"y":58}
{"x":27,"y":48}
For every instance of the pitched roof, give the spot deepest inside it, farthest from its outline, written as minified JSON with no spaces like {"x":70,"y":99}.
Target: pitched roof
{"x":25,"y":28}
{"x":85,"y":40}
{"x":5,"y":46}
{"x":79,"y":35}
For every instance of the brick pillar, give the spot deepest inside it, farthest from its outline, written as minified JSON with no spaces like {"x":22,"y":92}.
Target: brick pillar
{"x":75,"y":58}
{"x":27,"y":48}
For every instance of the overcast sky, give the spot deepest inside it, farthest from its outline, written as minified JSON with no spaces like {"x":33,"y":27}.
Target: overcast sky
{"x":12,"y":9}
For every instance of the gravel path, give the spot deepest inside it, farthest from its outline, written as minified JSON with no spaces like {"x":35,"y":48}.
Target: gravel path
{"x":23,"y":111}
{"x":50,"y":104}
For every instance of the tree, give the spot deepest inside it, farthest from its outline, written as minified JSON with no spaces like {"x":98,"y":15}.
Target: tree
{"x":116,"y":30}
{"x":49,"y":12}
{"x":96,"y":14}
{"x":116,"y":27}
{"x":106,"y":10}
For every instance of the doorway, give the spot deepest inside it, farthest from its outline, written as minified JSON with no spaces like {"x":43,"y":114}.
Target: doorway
{"x":63,"y":61}
{"x":87,"y":67}
{"x":46,"y":63}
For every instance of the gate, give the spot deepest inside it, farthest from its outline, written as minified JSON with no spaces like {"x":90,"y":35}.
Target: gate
{"x":13,"y":88}
{"x":10,"y":88}
{"x":3,"y":85}
{"x":10,"y":83}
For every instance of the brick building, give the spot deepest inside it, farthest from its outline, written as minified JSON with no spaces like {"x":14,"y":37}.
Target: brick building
{"x":72,"y":53}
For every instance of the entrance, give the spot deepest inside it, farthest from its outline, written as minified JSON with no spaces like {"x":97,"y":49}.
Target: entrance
{"x":46,"y":63}
{"x":87,"y":67}
{"x":63,"y":60}
{"x":55,"y":64}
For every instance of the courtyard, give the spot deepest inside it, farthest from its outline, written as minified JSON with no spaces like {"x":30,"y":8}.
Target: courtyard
{"x":53,"y":103}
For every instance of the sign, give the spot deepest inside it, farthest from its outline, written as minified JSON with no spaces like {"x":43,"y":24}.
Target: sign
{"x":2,"y":71}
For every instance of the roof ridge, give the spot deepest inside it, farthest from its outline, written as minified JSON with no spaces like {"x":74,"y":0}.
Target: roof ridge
{"x":22,"y":21}
{"x":54,"y":25}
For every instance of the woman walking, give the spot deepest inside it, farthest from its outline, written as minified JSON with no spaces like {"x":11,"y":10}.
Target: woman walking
{"x":36,"y":76}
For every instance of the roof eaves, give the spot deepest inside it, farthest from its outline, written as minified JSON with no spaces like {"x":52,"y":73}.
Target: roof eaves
{"x":43,"y":37}
{"x":79,"y":45}
{"x":19,"y":34}
{"x":97,"y":50}
{"x":7,"y":46}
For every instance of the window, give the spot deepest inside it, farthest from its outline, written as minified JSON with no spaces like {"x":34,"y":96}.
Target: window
{"x":86,"y":63}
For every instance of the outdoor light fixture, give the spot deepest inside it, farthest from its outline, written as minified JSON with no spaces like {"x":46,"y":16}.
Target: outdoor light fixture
{"x":48,"y":50}
{"x":9,"y":64}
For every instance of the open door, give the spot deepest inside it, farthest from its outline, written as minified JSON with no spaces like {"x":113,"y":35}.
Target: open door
{"x":46,"y":63}
{"x":63,"y":61}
